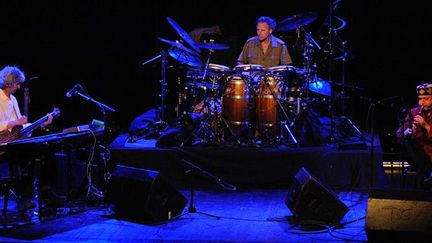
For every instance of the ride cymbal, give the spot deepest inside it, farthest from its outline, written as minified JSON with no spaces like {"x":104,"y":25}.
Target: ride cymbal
{"x":296,"y":20}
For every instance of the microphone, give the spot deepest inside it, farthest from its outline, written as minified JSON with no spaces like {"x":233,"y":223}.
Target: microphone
{"x":72,"y":91}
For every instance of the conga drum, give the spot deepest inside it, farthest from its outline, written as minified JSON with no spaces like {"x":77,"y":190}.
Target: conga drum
{"x":252,"y":72}
{"x":267,"y":115}
{"x":236,"y":104}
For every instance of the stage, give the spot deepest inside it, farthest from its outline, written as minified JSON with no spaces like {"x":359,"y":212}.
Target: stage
{"x":339,"y":167}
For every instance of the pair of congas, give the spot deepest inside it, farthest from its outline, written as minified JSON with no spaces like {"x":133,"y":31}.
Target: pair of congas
{"x":254,"y":96}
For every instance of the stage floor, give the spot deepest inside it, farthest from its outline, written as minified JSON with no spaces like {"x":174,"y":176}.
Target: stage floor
{"x":255,"y":166}
{"x":245,"y":216}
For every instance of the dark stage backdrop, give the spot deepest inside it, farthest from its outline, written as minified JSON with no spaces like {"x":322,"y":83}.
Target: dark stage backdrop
{"x":101,"y":45}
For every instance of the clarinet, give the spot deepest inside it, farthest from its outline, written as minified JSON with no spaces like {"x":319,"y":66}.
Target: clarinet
{"x":420,"y":113}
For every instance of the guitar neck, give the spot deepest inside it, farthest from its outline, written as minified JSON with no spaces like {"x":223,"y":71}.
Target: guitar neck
{"x":34,"y":125}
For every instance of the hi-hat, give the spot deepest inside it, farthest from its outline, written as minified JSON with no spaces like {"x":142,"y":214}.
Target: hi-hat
{"x":212,"y":46}
{"x":185,"y":58}
{"x":296,"y":20}
{"x":183,"y":34}
{"x":183,"y":54}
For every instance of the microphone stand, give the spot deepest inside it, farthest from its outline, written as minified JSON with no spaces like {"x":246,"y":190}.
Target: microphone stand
{"x":106,"y":154}
{"x":26,"y":100}
{"x":192,"y":208}
{"x":371,"y":115}
{"x":103,"y":107}
{"x":27,"y":95}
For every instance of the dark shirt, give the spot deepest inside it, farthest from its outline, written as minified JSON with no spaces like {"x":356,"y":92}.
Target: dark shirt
{"x":276,"y":55}
{"x":419,"y":135}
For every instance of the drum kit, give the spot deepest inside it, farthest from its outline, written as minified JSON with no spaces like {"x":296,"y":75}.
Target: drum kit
{"x":247,"y":104}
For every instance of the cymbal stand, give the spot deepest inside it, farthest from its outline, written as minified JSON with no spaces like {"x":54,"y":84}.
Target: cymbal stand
{"x":333,"y":33}
{"x":330,"y":73}
{"x":160,"y":125}
{"x":310,"y":67}
{"x":345,"y":54}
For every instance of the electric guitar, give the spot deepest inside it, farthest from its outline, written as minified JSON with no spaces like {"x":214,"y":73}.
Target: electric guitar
{"x":19,"y":132}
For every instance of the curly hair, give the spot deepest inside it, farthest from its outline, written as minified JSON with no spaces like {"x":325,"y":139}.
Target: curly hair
{"x":10,"y":75}
{"x":270,"y":21}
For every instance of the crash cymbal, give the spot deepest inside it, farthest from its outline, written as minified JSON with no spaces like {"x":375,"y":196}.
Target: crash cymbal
{"x":183,"y":34}
{"x":185,"y":58}
{"x":212,"y":46}
{"x":178,"y":45}
{"x":296,"y":20}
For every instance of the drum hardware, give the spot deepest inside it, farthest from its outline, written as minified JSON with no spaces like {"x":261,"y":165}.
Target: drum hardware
{"x":160,"y":124}
{"x":209,"y":130}
{"x":310,"y":66}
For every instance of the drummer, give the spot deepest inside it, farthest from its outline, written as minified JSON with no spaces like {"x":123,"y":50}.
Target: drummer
{"x":264,"y":48}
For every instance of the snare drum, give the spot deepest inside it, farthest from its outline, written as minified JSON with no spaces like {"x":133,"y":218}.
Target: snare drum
{"x":219,"y":69}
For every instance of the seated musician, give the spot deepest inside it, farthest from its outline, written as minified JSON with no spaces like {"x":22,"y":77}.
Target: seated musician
{"x":11,"y":78}
{"x":264,"y":48}
{"x":415,"y":135}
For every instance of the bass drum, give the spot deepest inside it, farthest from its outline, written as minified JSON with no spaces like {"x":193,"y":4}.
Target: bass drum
{"x":267,"y":113}
{"x":236,"y":105}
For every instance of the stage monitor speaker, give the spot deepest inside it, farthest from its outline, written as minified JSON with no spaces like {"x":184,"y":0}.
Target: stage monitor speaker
{"x":143,"y":194}
{"x":309,"y":200}
{"x":399,"y":215}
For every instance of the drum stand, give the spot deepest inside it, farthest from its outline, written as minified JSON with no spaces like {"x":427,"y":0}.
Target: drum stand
{"x":286,"y":120}
{"x":207,"y":130}
{"x":160,"y":125}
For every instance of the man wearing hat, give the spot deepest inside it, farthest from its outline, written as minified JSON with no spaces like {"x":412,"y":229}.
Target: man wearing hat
{"x":416,"y":137}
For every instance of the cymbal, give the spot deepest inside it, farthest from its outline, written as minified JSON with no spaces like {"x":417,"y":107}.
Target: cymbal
{"x":185,"y":57}
{"x":212,"y":46}
{"x":185,"y":36}
{"x":296,"y":20}
{"x":320,"y":86}
{"x":178,"y":45}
